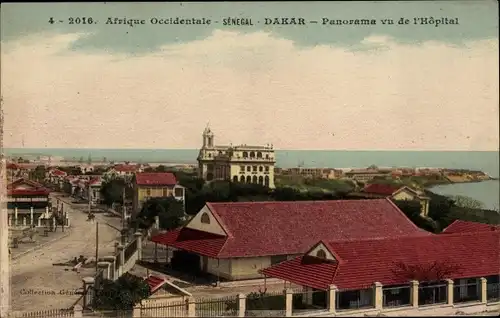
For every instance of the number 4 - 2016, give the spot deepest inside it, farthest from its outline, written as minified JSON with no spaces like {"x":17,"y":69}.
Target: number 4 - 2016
{"x":83,"y":20}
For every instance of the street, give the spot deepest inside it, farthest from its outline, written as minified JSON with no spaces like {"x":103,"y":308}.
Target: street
{"x":37,"y":285}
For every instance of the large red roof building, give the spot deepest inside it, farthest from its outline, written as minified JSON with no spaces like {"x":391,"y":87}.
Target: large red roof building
{"x":235,"y":240}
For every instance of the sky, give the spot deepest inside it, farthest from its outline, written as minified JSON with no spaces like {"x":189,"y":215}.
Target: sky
{"x":350,"y":87}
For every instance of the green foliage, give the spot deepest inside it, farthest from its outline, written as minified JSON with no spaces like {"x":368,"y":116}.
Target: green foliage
{"x":38,"y":174}
{"x":112,"y":191}
{"x":412,"y":210}
{"x":169,"y":210}
{"x":121,"y":294}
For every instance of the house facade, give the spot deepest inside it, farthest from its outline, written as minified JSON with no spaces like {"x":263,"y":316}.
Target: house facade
{"x":27,"y":201}
{"x":149,"y":185}
{"x":366,"y":175}
{"x":236,"y":240}
{"x":243,"y":163}
{"x":395,"y":192}
{"x":397,"y":272}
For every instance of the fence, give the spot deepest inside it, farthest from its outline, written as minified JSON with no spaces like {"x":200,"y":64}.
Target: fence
{"x":216,"y":307}
{"x":170,"y":309}
{"x":355,"y":299}
{"x":396,"y":296}
{"x":467,"y":292}
{"x":59,"y":313}
{"x":265,"y":304}
{"x":309,"y":301}
{"x":432,"y":294}
{"x":130,"y":250}
{"x":493,"y":292}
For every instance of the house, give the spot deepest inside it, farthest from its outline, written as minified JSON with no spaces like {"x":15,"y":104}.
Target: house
{"x":235,"y":240}
{"x":365,"y":175}
{"x":430,"y":269}
{"x":395,"y":192}
{"x":125,"y":169}
{"x":149,"y":185}
{"x":242,"y":163}
{"x":94,"y":184}
{"x":56,"y":176}
{"x":27,"y":201}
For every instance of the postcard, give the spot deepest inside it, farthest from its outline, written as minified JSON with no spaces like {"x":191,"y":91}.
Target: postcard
{"x":249,"y":158}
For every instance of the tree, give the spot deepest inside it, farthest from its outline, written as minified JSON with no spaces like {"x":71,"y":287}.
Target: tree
{"x":466,"y":202}
{"x":425,"y":272}
{"x":112,"y":191}
{"x":412,"y":210}
{"x":170,"y":212}
{"x":39,"y":173}
{"x":121,"y":294}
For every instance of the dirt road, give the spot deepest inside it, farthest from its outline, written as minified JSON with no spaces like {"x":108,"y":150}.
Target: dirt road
{"x":37,"y":285}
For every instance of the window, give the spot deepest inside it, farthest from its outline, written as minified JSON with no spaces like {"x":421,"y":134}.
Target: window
{"x":261,"y":180}
{"x":254,"y":179}
{"x":179,"y":192}
{"x":148,"y":192}
{"x":249,"y":179}
{"x":242,"y":168}
{"x":267,"y":169}
{"x":252,"y":154}
{"x":259,"y":154}
{"x":205,"y":219}
{"x":321,"y":254}
{"x":249,"y":168}
{"x":245,"y":154}
{"x":235,"y":178}
{"x":165,"y":192}
{"x":242,"y":179}
{"x":278,"y":259}
{"x":255,"y":168}
{"x":266,"y":181}
{"x":261,"y":168}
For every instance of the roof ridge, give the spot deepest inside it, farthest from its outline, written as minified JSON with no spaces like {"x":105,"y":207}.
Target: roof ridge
{"x":293,"y":202}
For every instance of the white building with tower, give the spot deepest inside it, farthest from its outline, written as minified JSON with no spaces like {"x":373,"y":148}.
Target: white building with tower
{"x":243,"y":163}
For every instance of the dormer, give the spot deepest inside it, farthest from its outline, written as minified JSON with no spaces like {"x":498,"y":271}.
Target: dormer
{"x":322,"y":252}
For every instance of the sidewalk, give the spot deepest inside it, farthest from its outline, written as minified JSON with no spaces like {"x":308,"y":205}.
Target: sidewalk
{"x":39,"y":242}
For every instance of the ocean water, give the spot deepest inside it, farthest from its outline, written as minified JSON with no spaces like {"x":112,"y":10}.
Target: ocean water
{"x":487,"y":192}
{"x":487,"y":161}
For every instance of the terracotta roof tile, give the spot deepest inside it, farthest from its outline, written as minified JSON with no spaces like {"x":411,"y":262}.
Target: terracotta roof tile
{"x":155,"y":178}
{"x":287,"y":228}
{"x":126,"y":168}
{"x":459,"y":226}
{"x":190,"y":240}
{"x":363,"y":262}
{"x":155,"y":283}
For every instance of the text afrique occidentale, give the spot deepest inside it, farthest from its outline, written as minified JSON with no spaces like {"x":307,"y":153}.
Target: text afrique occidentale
{"x":160,"y":21}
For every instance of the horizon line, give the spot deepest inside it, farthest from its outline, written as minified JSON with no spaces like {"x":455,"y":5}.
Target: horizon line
{"x":281,"y":149}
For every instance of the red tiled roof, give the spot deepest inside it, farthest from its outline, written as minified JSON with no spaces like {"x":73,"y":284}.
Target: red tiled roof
{"x":287,"y":228}
{"x":95,"y":180}
{"x":12,"y":192}
{"x":126,"y":168}
{"x":58,"y":172}
{"x":12,"y":166}
{"x":155,"y":283}
{"x":396,"y":261}
{"x":382,"y":189}
{"x":191,"y":240}
{"x":459,"y":226}
{"x":24,"y":181}
{"x":155,"y":178}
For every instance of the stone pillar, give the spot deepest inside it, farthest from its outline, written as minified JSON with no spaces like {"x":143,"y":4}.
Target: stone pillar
{"x":449,"y":291}
{"x":77,"y":311}
{"x":112,"y":269}
{"x":288,"y":302}
{"x":191,"y":307}
{"x":157,"y":222}
{"x":31,"y":215}
{"x":378,"y":295}
{"x":15,"y":217}
{"x":88,"y":284}
{"x":309,"y":296}
{"x":121,"y":255}
{"x":105,"y":267}
{"x":414,"y":293}
{"x":484,"y":290}
{"x":332,"y":298}
{"x":138,"y":237}
{"x":137,"y":311}
{"x":9,"y":221}
{"x":67,"y":221}
{"x":24,"y":221}
{"x":242,"y":304}
{"x":46,"y":212}
{"x":40,"y":221}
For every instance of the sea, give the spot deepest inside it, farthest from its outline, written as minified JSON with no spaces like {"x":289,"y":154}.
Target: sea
{"x":486,"y":161}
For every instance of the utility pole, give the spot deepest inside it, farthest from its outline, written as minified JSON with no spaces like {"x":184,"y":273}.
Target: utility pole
{"x":124,"y":209}
{"x":88,"y":196}
{"x":96,"y":246}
